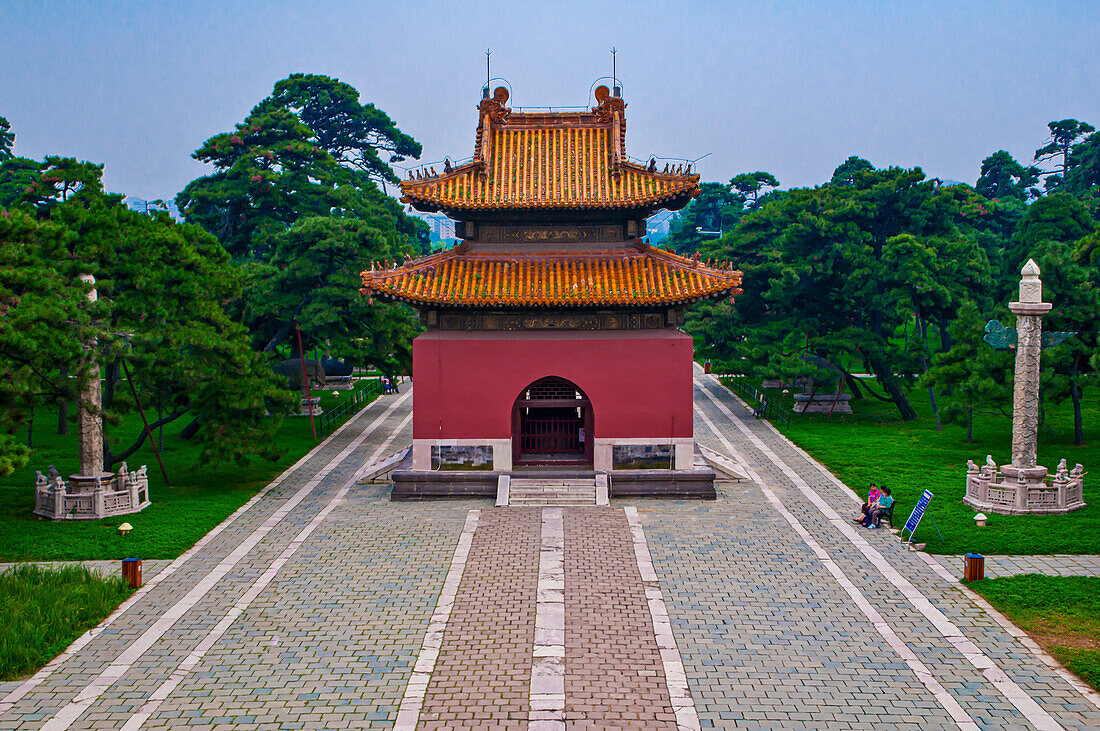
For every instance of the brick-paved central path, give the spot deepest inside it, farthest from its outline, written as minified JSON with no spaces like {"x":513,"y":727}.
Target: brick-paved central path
{"x":314,"y":605}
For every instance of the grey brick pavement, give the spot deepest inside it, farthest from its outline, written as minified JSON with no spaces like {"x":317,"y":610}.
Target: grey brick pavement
{"x":763,"y":623}
{"x":767,"y":636}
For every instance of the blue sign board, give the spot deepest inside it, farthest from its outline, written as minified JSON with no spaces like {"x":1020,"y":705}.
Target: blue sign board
{"x":917,"y":514}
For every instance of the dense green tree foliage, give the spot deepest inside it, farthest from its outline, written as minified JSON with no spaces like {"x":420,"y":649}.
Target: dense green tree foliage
{"x":294,"y":200}
{"x":7,"y":140}
{"x":753,"y":185}
{"x":268,"y":174}
{"x":714,"y":211}
{"x":313,"y":278}
{"x":45,"y":318}
{"x":1003,"y":177}
{"x":357,"y":135}
{"x":845,"y":172}
{"x":1054,"y":232}
{"x":836,"y":271}
{"x":162,"y":288}
{"x":1063,"y":136}
{"x":971,"y":377}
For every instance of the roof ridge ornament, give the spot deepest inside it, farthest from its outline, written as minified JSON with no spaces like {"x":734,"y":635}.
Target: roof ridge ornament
{"x":607,"y":105}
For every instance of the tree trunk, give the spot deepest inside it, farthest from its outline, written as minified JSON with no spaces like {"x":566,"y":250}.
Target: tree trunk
{"x":922,"y":326}
{"x":1075,"y":394}
{"x":890,"y":384}
{"x":853,"y":385}
{"x":191,"y":429}
{"x":63,"y":405}
{"x":30,"y":430}
{"x":969,"y":424}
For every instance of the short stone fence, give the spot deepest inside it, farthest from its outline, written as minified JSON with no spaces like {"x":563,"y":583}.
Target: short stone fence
{"x":988,"y":489}
{"x":102,"y":497}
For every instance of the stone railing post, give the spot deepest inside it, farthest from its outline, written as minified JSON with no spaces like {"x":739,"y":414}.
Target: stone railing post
{"x":58,"y":492}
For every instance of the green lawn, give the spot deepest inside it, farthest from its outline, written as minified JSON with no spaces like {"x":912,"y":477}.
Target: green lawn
{"x":874,"y":444}
{"x":43,"y":610}
{"x":201,"y":496}
{"x":1062,"y":613}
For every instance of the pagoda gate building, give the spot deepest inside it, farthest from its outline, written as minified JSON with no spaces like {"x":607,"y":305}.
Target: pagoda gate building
{"x":553,"y":327}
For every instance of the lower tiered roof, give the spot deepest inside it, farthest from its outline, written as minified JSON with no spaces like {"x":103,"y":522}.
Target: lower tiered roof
{"x":632,"y":277}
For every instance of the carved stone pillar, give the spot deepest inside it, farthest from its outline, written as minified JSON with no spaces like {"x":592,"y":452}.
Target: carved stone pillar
{"x":90,"y":417}
{"x":1029,"y":311}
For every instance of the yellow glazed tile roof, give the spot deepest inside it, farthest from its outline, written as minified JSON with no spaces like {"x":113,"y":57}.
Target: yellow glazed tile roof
{"x":580,"y":279}
{"x":550,"y":160}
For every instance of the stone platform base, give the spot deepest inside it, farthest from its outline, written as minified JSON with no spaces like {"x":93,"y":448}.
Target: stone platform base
{"x":822,"y":403}
{"x":339,"y":383}
{"x":410,"y":484}
{"x":317,"y":410}
{"x":1010,"y":490}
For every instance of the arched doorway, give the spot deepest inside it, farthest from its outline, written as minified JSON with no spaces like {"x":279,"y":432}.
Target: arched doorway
{"x":552,"y":424}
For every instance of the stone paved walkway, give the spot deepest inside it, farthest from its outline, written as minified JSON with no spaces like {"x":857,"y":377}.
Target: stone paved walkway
{"x":314,"y":605}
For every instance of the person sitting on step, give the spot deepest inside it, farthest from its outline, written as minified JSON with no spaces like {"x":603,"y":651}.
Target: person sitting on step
{"x":874,"y":516}
{"x":872,"y":496}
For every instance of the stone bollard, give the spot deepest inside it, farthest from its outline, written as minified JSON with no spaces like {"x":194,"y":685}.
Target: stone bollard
{"x":975,"y":567}
{"x":131,"y":572}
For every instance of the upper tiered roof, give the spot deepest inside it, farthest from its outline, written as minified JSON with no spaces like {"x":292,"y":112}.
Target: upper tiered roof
{"x":551,"y":160}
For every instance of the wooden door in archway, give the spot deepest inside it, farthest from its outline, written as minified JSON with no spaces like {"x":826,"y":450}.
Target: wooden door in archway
{"x":552,"y":424}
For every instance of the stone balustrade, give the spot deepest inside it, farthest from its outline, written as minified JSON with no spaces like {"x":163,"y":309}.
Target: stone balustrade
{"x":989,"y":489}
{"x":100,"y":497}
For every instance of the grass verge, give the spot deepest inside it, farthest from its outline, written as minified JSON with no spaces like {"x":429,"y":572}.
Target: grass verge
{"x":874,"y":444}
{"x":201,"y":496}
{"x":43,"y":610}
{"x":1061,"y":613}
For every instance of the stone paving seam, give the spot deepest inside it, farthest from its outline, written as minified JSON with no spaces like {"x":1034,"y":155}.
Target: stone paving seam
{"x":959,"y":715}
{"x":547,"y":694}
{"x":26,"y":686}
{"x":1005,"y":623}
{"x":412,"y":702}
{"x":74,"y":708}
{"x":258,"y":586}
{"x":679,"y":694}
{"x":1023,"y":701}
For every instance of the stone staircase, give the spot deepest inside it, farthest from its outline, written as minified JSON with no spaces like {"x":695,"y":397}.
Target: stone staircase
{"x":552,"y":491}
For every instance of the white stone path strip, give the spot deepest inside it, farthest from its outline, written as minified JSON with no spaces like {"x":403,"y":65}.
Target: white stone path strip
{"x":1006,"y":624}
{"x":47,"y":670}
{"x":71,"y":711}
{"x":180,"y":673}
{"x":958,"y":714}
{"x":547,"y":694}
{"x":412,"y":703}
{"x":675,"y":677}
{"x":1019,"y":698}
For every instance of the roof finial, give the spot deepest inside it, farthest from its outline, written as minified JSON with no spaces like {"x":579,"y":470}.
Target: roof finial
{"x":614,"y":75}
{"x":485,"y":94}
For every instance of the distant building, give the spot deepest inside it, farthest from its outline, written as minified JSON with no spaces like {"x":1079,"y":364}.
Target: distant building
{"x":442,"y":228}
{"x":658,"y":225}
{"x":149,"y":207}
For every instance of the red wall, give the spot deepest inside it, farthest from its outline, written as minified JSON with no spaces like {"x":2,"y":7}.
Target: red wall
{"x":639,"y":382}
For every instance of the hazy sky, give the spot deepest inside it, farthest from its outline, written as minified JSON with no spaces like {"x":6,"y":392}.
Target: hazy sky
{"x":788,"y":87}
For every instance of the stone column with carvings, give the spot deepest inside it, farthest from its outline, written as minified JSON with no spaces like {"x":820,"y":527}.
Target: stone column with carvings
{"x":90,"y":419}
{"x":1029,"y":311}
